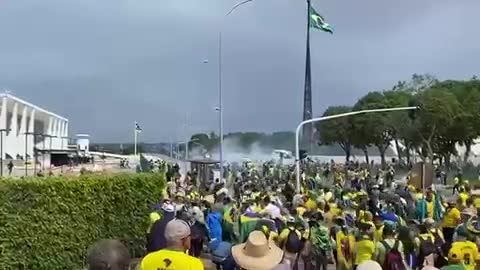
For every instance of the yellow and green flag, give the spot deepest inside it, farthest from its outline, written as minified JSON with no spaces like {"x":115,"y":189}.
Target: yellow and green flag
{"x":318,"y":22}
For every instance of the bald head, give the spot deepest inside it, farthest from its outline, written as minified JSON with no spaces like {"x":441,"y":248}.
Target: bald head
{"x":108,"y":255}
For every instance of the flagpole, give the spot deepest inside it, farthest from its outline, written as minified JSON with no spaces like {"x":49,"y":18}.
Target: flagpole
{"x":307,"y":95}
{"x":135,"y":132}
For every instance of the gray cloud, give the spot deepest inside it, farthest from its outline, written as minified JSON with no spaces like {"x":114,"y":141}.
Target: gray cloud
{"x":105,"y":64}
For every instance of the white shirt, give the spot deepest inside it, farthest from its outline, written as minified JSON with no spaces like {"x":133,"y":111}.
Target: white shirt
{"x":273,"y":211}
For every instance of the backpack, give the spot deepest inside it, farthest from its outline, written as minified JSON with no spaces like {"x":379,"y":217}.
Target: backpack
{"x":427,"y":247}
{"x":393,"y":258}
{"x":438,"y":241}
{"x":293,"y":244}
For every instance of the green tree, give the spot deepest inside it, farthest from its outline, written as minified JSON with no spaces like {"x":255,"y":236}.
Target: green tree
{"x":466,"y":127}
{"x":398,"y":123}
{"x":439,"y":108}
{"x":337,"y":131}
{"x":374,"y":128}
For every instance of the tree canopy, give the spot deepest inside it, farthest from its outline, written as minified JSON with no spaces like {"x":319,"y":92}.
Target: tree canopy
{"x":448,"y":114}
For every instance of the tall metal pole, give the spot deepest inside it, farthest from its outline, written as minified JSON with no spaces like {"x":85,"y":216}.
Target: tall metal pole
{"x":220,"y":103}
{"x":220,"y":99}
{"x":299,"y":127}
{"x":307,"y":95}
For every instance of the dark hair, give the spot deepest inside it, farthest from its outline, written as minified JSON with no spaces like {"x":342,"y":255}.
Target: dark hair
{"x":266,"y":200}
{"x":389,"y":231}
{"x":469,"y":201}
{"x":108,"y":255}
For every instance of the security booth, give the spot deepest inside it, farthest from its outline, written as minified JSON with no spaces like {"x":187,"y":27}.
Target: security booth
{"x":205,"y":171}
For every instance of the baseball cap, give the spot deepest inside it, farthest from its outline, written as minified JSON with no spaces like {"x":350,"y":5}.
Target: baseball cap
{"x":168,"y":207}
{"x":176,"y":230}
{"x":454,"y":255}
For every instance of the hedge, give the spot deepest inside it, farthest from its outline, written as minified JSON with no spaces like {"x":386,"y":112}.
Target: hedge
{"x":49,"y":223}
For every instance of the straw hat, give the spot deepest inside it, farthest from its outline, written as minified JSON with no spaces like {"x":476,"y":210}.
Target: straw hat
{"x":257,"y":253}
{"x":369,"y":265}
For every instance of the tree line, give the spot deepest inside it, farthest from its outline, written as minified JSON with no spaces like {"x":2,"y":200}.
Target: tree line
{"x":448,"y":115}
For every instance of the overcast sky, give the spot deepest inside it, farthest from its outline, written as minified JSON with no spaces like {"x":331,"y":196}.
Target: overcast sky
{"x":104,"y":64}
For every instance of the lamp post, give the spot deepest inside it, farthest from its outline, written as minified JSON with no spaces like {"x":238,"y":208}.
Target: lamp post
{"x":3,"y":130}
{"x":220,"y":98}
{"x":319,"y":119}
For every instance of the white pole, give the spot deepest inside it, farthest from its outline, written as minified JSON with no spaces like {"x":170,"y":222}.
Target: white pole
{"x":319,"y":119}
{"x":220,"y":100}
{"x":135,"y":139}
{"x":220,"y":103}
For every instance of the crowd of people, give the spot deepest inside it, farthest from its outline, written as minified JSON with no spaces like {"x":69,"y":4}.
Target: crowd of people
{"x":346,"y":217}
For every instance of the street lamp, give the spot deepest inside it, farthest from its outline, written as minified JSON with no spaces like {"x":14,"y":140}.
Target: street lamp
{"x":3,"y":130}
{"x":220,"y":99}
{"x":319,"y":119}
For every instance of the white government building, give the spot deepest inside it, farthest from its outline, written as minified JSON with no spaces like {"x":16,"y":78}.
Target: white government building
{"x":26,"y":128}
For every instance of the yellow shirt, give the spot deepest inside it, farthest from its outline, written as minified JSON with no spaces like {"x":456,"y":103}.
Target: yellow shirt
{"x":464,"y":197}
{"x":345,"y":245}
{"x":364,"y":250}
{"x":361,"y":216}
{"x":334,"y":209}
{"x":154,"y":216}
{"x":379,"y":233}
{"x":311,"y":204}
{"x":468,"y":253}
{"x":476,"y":202}
{"x":430,"y":209}
{"x":456,"y":180}
{"x":170,"y":260}
{"x":301,"y":211}
{"x":452,"y":218}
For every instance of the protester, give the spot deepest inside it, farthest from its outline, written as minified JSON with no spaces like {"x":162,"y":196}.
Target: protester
{"x":346,"y":216}
{"x":257,"y":253}
{"x":467,"y":249}
{"x":156,"y":238}
{"x":364,"y":249}
{"x":390,"y":247}
{"x":10,"y":167}
{"x":177,"y":235}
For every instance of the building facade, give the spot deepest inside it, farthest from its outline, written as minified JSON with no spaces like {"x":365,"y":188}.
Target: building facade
{"x":26,"y":128}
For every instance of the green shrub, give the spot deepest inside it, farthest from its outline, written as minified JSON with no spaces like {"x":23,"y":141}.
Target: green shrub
{"x":49,"y":223}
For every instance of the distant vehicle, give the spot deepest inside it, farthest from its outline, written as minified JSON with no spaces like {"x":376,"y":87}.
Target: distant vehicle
{"x":283,"y":153}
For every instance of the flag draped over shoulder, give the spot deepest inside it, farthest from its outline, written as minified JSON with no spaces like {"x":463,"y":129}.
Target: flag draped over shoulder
{"x":318,"y":22}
